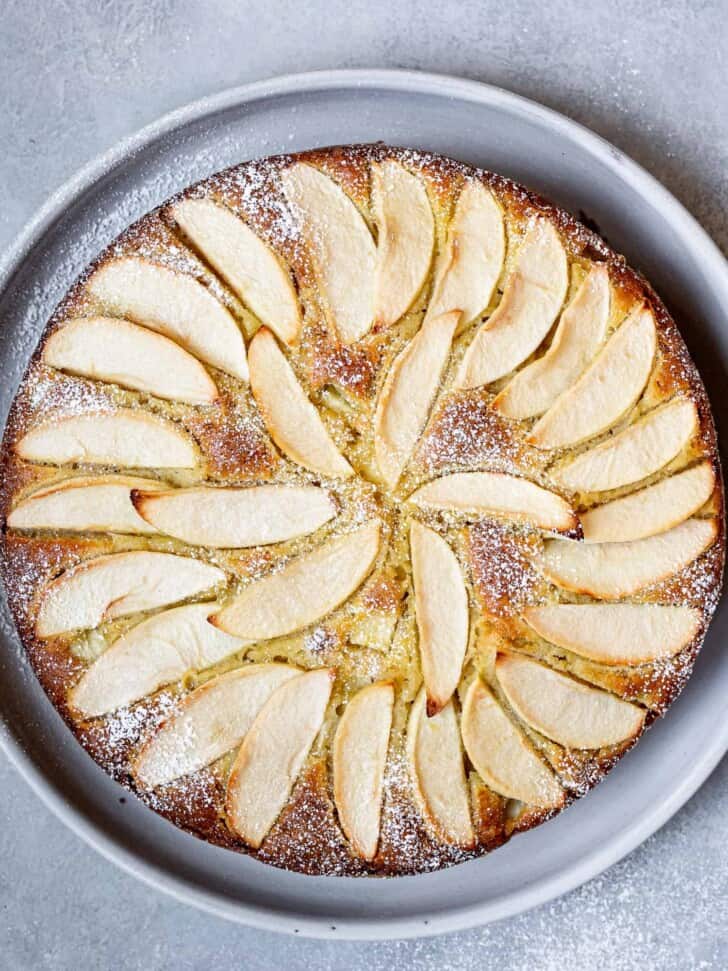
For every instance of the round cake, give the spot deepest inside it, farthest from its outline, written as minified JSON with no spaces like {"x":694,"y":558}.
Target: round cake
{"x":361,"y":510}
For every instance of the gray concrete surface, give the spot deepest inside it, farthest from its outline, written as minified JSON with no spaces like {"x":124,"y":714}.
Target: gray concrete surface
{"x":76,"y":77}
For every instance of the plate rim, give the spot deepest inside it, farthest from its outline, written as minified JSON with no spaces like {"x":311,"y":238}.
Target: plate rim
{"x":404,"y":82}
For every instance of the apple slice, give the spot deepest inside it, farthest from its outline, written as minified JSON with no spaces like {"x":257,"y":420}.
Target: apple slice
{"x":611,"y":571}
{"x":173,"y":304}
{"x":653,"y":510}
{"x":635,"y":453}
{"x":443,"y":616}
{"x":408,"y":393}
{"x":306,"y":589}
{"x":114,"y":350}
{"x":85,"y":505}
{"x":156,"y":652}
{"x":531,"y":301}
{"x":247,"y":264}
{"x":435,"y":756}
{"x":406,"y":239}
{"x":119,"y":584}
{"x":501,"y":754}
{"x":211,"y":721}
{"x":498,"y":494}
{"x":131,"y":439}
{"x":341,"y":247}
{"x":292,"y":421}
{"x":606,"y":391}
{"x":581,"y":330}
{"x":359,"y":759}
{"x":565,"y":710}
{"x":273,"y":752}
{"x":471,"y":262}
{"x":233,"y":518}
{"x":617,"y":634}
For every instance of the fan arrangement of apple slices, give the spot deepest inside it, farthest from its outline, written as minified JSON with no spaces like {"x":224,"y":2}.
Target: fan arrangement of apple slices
{"x":619,"y":505}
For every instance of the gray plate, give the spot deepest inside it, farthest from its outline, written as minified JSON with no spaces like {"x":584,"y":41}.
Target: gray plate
{"x":484,"y":126}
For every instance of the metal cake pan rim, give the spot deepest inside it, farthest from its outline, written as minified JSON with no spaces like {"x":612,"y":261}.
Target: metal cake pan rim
{"x":48,"y":789}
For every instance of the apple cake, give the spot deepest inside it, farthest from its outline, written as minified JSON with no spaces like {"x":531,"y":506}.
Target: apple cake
{"x":361,"y":510}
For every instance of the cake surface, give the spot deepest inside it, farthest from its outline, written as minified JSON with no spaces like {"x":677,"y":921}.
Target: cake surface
{"x":361,"y":510}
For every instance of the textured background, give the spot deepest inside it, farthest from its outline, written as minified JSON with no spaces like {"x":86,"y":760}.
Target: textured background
{"x":76,"y":77}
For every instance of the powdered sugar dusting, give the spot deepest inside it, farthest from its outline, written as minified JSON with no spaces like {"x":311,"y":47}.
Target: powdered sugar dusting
{"x":465,"y":433}
{"x":502,"y":564}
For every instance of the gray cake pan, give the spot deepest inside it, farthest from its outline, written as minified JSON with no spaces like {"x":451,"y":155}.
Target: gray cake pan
{"x":484,"y":126}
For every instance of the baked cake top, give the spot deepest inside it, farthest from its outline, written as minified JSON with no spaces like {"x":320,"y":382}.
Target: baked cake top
{"x":362,"y":509}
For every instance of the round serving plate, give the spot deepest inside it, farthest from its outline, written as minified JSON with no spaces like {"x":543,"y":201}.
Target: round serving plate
{"x":487,"y":127}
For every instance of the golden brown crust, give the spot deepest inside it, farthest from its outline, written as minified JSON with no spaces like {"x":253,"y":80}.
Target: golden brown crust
{"x":236,"y":449}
